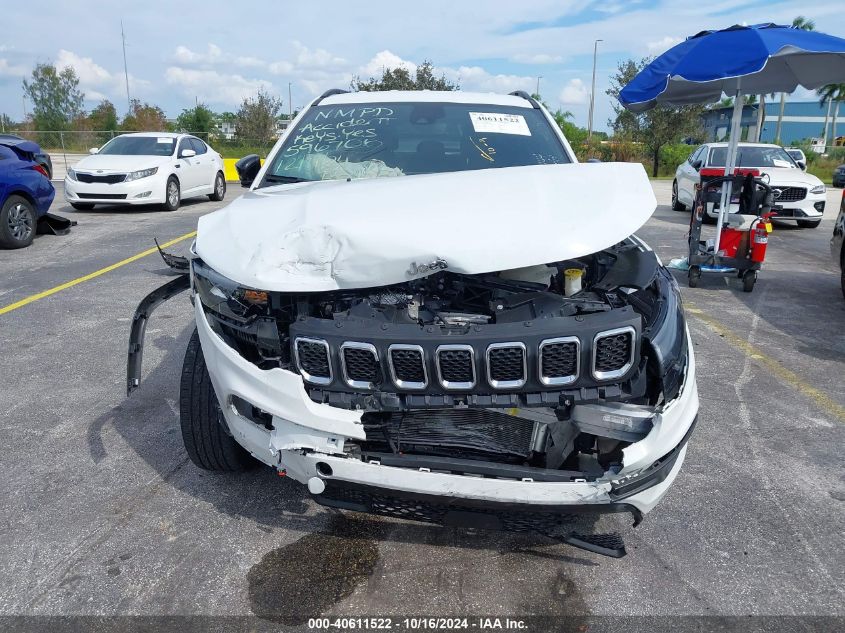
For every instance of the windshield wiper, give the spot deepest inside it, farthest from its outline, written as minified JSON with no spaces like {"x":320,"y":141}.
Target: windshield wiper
{"x":273,"y":178}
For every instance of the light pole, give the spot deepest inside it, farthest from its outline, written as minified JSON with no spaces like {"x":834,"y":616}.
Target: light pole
{"x":592,"y":92}
{"x":290,"y":104}
{"x":537,"y":92}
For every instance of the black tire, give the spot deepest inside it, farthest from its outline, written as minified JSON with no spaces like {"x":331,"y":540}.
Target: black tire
{"x":18,"y":222}
{"x":676,"y":206}
{"x":219,"y":188}
{"x":172,"y":197}
{"x":748,"y":280}
{"x":203,"y":431}
{"x":694,"y":276}
{"x":82,"y":206}
{"x":809,"y":224}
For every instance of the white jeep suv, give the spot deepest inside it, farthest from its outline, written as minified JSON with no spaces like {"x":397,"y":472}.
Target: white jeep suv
{"x":425,"y":307}
{"x":801,"y":195}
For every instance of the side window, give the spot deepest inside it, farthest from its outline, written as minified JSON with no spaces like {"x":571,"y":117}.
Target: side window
{"x":184,"y":144}
{"x":703,"y":156}
{"x":198,"y":145}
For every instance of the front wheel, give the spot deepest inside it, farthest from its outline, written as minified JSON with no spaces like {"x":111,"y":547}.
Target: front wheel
{"x":694,"y":276}
{"x":204,"y":430}
{"x":809,"y":224}
{"x":172,"y":194}
{"x":17,"y":223}
{"x":676,"y":205}
{"x":219,"y":188}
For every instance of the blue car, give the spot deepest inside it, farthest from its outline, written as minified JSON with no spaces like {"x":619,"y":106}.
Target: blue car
{"x":25,"y":192}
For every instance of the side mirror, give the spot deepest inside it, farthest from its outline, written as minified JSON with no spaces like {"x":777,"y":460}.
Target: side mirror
{"x":187,"y":153}
{"x":594,"y":160}
{"x":93,"y":150}
{"x":248,"y":168}
{"x":801,"y":164}
{"x":696,"y":165}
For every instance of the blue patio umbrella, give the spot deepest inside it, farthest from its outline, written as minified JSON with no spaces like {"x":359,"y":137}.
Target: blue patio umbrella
{"x":739,"y":60}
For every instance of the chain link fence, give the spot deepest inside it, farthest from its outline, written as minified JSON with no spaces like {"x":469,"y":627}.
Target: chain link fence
{"x":66,"y":148}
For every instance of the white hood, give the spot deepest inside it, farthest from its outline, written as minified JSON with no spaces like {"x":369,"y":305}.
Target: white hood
{"x":337,"y":234}
{"x":119,"y":163}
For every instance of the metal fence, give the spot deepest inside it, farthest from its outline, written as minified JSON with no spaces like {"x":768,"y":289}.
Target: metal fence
{"x":66,"y":148}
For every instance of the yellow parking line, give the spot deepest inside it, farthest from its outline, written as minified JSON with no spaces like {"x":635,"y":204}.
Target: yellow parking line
{"x":822,"y":400}
{"x":89,"y":276}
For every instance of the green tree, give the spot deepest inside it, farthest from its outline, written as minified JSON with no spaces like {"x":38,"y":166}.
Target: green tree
{"x":802,"y":23}
{"x":653,"y":128}
{"x":143,"y":117}
{"x":6,"y":123}
{"x":103,"y":117}
{"x":834,"y":93}
{"x":55,"y":97}
{"x":198,"y":120}
{"x":257,"y":117}
{"x":400,"y":79}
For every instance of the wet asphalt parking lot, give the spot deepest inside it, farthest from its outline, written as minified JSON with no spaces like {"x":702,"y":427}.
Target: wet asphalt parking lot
{"x":102,"y":513}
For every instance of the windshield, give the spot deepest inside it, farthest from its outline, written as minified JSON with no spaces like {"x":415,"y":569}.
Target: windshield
{"x":397,"y":139}
{"x":753,"y":157}
{"x":140,"y":146}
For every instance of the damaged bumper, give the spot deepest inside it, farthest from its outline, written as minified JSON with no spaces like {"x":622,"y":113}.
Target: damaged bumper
{"x":306,"y":439}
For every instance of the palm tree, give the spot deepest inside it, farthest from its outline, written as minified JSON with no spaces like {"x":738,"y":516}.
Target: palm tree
{"x":831,"y":93}
{"x":803,"y":24}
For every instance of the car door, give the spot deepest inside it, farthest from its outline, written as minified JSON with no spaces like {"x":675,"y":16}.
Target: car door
{"x":205,"y":161}
{"x":189,"y":168}
{"x":688,"y":177}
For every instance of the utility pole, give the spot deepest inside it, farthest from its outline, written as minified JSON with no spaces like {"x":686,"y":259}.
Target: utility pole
{"x":537,"y":92}
{"x":592,"y":92}
{"x":125,"y":71}
{"x":290,"y":104}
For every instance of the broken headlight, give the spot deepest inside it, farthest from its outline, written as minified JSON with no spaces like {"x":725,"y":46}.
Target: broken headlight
{"x":224,"y":296}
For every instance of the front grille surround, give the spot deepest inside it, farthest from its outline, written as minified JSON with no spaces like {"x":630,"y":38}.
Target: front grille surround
{"x":455,"y":384}
{"x":620,"y":371}
{"x":394,"y":375}
{"x":790,"y":194}
{"x":506,"y":384}
{"x":314,"y":379}
{"x":344,"y":365}
{"x":562,"y":379}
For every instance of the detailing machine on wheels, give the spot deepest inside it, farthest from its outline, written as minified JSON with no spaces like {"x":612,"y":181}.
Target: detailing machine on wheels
{"x":743,"y":237}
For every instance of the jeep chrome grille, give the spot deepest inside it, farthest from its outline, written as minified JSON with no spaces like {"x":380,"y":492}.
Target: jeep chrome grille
{"x":312,"y":359}
{"x":506,"y":367}
{"x":560,"y":360}
{"x":456,"y":366}
{"x":613,"y":353}
{"x":407,"y":366}
{"x":360,"y":365}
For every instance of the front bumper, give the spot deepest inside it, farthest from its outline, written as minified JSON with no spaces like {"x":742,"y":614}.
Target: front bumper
{"x":142,"y":191}
{"x":810,"y":208}
{"x":307,"y":441}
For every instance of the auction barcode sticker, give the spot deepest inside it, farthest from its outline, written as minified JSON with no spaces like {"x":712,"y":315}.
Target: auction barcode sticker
{"x":499,"y":123}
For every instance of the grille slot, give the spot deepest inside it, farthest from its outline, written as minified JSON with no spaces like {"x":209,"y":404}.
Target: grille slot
{"x":102,"y":196}
{"x":506,"y":365}
{"x":407,"y":366}
{"x":560,"y":360}
{"x":312,"y":359}
{"x":613,"y":353}
{"x":456,"y":366}
{"x":110,"y":179}
{"x":360,"y":365}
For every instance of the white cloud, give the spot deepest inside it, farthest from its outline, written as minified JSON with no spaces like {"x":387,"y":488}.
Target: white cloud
{"x":11,"y":70}
{"x":539,"y":58}
{"x":317,"y":58}
{"x":477,"y":79}
{"x":249,"y":62}
{"x":95,"y":81}
{"x":212,"y":86}
{"x":664,"y":44}
{"x":185,"y":55}
{"x":574,"y":93}
{"x":281,"y":67}
{"x":383,"y":60}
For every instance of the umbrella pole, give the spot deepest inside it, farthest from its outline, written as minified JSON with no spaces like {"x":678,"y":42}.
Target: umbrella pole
{"x":730,"y":160}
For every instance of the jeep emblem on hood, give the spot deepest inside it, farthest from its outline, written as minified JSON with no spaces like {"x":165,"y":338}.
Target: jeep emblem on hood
{"x":421,"y":269}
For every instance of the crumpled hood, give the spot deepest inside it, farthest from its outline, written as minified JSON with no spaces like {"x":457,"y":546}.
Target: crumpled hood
{"x":331,"y":235}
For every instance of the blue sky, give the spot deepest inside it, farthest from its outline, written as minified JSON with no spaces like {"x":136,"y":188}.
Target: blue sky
{"x":218,"y":52}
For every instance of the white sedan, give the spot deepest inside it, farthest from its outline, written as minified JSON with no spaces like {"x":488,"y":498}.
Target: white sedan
{"x":801,"y":195}
{"x":146,"y":168}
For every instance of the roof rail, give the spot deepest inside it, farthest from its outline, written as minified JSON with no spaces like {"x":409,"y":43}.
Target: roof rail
{"x":527,"y":97}
{"x":329,"y":93}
